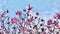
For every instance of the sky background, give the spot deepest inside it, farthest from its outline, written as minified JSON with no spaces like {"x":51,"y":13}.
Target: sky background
{"x":47,"y":8}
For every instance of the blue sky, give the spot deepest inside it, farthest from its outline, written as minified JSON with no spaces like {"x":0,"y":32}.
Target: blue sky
{"x":45,"y":7}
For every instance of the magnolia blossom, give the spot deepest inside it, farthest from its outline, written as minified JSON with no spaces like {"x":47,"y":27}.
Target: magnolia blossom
{"x":49,"y":22}
{"x":31,"y":24}
{"x":57,"y":15}
{"x":19,"y":13}
{"x":29,"y":8}
{"x":14,"y":20}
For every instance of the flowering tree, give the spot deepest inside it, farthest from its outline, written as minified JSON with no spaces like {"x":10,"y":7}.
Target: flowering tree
{"x":28,"y":25}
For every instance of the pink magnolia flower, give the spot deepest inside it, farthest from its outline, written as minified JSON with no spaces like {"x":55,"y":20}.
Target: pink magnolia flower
{"x":57,"y":32}
{"x":49,"y":22}
{"x":43,"y":32}
{"x":29,"y":21}
{"x":2,"y":15}
{"x":35,"y":26}
{"x":58,"y":26}
{"x":19,"y":30}
{"x":29,"y":8}
{"x":51,"y":30}
{"x":42,"y":29}
{"x":1,"y":32}
{"x":2,"y":26}
{"x":8,"y":22}
{"x":26,"y":31}
{"x":55,"y":23}
{"x":19,"y":13}
{"x":14,"y":20}
{"x":57,"y":15}
{"x":48,"y":26}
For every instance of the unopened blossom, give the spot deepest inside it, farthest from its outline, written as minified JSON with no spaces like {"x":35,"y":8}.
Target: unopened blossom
{"x":57,"y":32}
{"x":36,"y":17}
{"x":8,"y":22}
{"x":14,"y":27}
{"x":19,"y":13}
{"x":42,"y":20}
{"x":7,"y":11}
{"x":37,"y":13}
{"x":42,"y":29}
{"x":28,"y":14}
{"x":24,"y":10}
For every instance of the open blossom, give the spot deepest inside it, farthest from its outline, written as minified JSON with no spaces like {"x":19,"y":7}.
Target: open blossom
{"x":29,"y":20}
{"x":57,"y":32}
{"x":48,"y":26}
{"x":49,"y":22}
{"x":57,"y":15}
{"x":13,"y":20}
{"x":29,"y":23}
{"x":55,"y":23}
{"x":2,"y":15}
{"x":58,"y":25}
{"x":44,"y":33}
{"x":8,"y":22}
{"x":2,"y":26}
{"x":29,"y":8}
{"x":35,"y":26}
{"x":19,"y":13}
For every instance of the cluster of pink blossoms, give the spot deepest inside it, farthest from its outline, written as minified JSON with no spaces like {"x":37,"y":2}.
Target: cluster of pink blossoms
{"x":30,"y":24}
